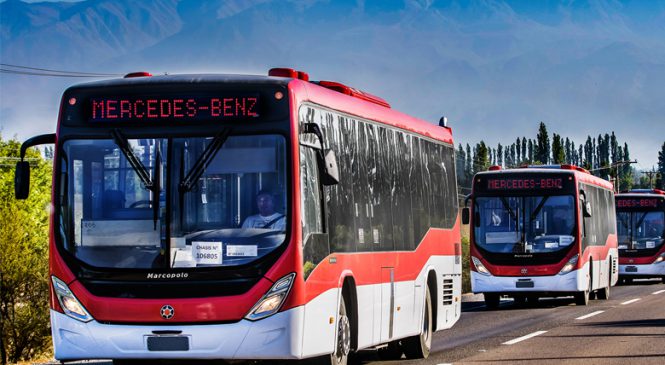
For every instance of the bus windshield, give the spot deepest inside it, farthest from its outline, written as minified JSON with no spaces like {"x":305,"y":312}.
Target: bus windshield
{"x":173,"y":203}
{"x":524,"y":224}
{"x":640,"y":230}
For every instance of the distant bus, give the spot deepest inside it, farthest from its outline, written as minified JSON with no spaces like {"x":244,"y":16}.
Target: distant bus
{"x":247,"y":217}
{"x":542,"y":231}
{"x":641,"y":229}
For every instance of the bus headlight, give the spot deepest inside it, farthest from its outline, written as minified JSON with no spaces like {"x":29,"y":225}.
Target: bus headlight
{"x":570,"y":265}
{"x":660,"y":258}
{"x":72,"y":307}
{"x":272,"y":301}
{"x":480,"y":267}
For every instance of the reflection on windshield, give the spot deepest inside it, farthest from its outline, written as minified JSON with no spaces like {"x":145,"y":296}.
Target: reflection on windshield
{"x":109,"y":218}
{"x":530,"y":224}
{"x":640,"y":230}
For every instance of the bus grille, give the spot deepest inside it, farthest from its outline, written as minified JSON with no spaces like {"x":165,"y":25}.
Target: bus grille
{"x":447,"y":291}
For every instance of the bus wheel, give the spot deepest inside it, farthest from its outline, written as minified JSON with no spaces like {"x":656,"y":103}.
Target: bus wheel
{"x":604,"y":293}
{"x":518,"y":300}
{"x":419,"y":346}
{"x":492,"y":300}
{"x":582,"y":298}
{"x":343,"y":345}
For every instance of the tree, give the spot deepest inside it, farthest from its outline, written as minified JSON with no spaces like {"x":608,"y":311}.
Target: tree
{"x":524,"y":157}
{"x":468,"y":170}
{"x":543,"y":146}
{"x":24,"y":291}
{"x":481,"y":160}
{"x":626,"y":172}
{"x":660,"y":182}
{"x":558,"y":153}
{"x":460,"y":162}
{"x":499,"y":154}
{"x":518,"y":149}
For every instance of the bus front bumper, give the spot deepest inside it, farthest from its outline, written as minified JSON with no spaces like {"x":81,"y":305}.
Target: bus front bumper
{"x":567,"y":283}
{"x":647,"y":270}
{"x":275,"y":337}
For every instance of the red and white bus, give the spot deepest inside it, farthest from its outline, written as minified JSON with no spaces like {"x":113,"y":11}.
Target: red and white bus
{"x":641,"y":229}
{"x":151,"y":255}
{"x":542,"y":231}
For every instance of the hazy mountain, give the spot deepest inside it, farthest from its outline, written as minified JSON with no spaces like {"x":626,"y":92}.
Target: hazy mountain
{"x":495,"y":68}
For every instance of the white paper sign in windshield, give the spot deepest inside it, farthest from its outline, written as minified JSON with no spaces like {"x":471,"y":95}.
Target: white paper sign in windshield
{"x":207,"y":253}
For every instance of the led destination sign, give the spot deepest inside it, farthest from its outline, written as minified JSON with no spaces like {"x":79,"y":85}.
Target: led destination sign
{"x":120,"y":109}
{"x":518,"y":184}
{"x":525,"y":183}
{"x":638,"y":203}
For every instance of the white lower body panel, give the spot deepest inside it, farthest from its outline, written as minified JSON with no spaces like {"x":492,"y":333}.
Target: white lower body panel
{"x":275,"y":337}
{"x":573,"y":281}
{"x":644,"y":270}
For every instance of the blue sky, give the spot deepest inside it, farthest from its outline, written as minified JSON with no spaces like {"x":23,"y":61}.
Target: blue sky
{"x":495,"y":68}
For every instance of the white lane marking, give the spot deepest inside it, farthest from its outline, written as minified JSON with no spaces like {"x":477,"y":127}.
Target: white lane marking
{"x":520,"y":339}
{"x":590,"y":315}
{"x":658,"y":292}
{"x":630,"y":301}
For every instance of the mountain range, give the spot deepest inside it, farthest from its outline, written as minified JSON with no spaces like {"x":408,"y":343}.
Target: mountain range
{"x":496,"y":68}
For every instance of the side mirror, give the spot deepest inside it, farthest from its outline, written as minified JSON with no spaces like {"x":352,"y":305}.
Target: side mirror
{"x":22,"y":174}
{"x":22,"y":180}
{"x":586,"y":209}
{"x":330,"y":175}
{"x":465,"y":215}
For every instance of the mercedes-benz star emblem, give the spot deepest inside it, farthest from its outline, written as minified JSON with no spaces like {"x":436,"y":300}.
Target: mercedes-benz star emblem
{"x":524,"y":271}
{"x":167,"y":312}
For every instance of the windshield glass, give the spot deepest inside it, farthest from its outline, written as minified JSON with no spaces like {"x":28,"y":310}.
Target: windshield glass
{"x":227,"y":201}
{"x":525,"y":224}
{"x":640,"y":230}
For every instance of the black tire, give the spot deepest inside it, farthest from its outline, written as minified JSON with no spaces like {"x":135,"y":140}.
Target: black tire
{"x":663,"y":279}
{"x":492,"y":300}
{"x":604,"y":293}
{"x":419,"y":346}
{"x":518,"y":301}
{"x":393,"y":351}
{"x":582,"y":298}
{"x":343,"y":345}
{"x":130,"y":362}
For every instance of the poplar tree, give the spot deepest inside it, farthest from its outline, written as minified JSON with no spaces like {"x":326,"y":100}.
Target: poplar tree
{"x":543,"y":146}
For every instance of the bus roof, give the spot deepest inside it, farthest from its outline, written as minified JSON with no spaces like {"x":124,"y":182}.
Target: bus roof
{"x":361,"y":104}
{"x":316,"y":94}
{"x":642,"y":193}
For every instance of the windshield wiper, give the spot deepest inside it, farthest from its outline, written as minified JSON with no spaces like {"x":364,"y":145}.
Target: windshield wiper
{"x":538,"y":208}
{"x":141,"y":170}
{"x":187,"y":184}
{"x":133,"y":160}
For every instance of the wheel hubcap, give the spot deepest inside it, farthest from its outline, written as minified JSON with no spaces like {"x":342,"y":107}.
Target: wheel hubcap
{"x":343,"y":337}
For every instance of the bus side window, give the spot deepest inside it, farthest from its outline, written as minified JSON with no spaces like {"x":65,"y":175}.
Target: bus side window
{"x":316,"y":244}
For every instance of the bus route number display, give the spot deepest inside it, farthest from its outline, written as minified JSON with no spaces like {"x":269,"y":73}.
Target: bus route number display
{"x":637,"y":203}
{"x":120,"y":109}
{"x":520,"y":184}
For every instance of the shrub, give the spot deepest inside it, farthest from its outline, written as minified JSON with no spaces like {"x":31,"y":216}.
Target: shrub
{"x":24,"y":290}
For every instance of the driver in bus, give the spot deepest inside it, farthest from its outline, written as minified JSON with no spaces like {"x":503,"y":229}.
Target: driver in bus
{"x":267,"y":217}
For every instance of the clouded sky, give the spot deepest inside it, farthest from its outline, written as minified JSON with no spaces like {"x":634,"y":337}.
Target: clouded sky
{"x":495,"y":68}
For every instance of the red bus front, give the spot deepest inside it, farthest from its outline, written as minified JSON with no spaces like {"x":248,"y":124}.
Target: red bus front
{"x":641,"y":229}
{"x":172,"y":231}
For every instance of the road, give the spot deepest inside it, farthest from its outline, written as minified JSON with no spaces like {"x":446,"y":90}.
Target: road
{"x":628,"y":328}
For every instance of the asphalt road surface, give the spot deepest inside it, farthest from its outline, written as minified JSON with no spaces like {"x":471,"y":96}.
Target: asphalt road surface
{"x":629,"y":328}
